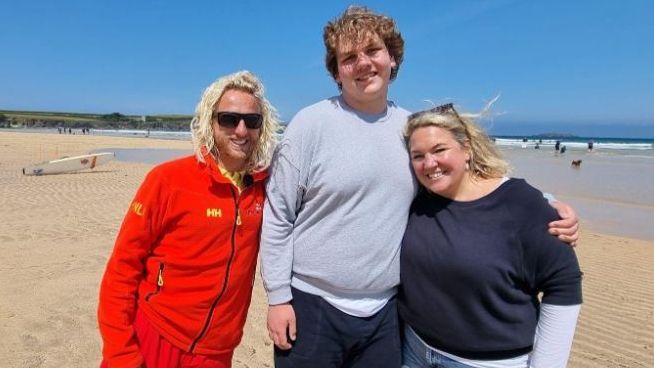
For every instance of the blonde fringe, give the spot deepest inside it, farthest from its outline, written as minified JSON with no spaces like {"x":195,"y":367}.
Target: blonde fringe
{"x":486,"y":161}
{"x":202,"y":128}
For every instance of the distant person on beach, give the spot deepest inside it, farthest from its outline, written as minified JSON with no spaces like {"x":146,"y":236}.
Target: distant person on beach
{"x":177,"y":287}
{"x":557,"y":145}
{"x":590,"y":145}
{"x":472,"y":221}
{"x":337,"y":205}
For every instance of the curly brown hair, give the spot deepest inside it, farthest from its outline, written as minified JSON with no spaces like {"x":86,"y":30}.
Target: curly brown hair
{"x":357,"y":24}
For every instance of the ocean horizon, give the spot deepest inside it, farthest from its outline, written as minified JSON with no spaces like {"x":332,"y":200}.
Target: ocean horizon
{"x":544,"y":139}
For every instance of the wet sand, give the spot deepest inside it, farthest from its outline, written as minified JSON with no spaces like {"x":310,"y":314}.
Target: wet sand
{"x":611,"y":190}
{"x":57,"y":231}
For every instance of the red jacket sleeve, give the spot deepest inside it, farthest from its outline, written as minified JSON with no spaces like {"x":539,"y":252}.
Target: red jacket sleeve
{"x":118,"y":291}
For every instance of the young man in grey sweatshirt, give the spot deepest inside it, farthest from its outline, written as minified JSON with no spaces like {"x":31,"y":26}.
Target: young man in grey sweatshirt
{"x":337,"y":205}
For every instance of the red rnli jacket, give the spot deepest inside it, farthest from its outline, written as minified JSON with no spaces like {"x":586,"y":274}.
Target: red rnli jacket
{"x":185,"y":255}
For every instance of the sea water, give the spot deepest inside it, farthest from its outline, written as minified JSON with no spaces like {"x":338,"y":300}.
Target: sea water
{"x":612,"y":189}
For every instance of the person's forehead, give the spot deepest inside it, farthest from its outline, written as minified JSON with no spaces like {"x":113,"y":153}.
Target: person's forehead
{"x":352,"y":43}
{"x":235,"y":98}
{"x":431,"y":134}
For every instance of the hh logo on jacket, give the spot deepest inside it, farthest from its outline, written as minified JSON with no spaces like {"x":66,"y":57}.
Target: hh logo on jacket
{"x":214,"y":212}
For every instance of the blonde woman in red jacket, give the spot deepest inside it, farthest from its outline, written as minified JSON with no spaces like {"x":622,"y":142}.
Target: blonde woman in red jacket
{"x":177,"y":287}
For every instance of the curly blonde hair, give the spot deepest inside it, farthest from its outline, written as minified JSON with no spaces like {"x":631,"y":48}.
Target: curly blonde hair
{"x":486,"y":161}
{"x":202,"y":130}
{"x":357,"y":24}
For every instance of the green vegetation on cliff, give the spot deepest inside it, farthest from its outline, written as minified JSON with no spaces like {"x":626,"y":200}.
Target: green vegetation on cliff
{"x":116,"y":120}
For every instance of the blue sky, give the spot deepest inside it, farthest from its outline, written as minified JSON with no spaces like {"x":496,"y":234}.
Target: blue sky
{"x":554,"y":62}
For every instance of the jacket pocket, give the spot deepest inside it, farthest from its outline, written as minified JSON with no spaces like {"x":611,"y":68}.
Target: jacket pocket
{"x":160,"y":283}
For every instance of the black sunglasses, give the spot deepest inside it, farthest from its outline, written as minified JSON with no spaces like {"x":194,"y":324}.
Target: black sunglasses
{"x":232,"y":119}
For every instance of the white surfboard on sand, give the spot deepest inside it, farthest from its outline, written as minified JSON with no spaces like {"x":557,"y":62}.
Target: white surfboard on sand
{"x":69,"y":164}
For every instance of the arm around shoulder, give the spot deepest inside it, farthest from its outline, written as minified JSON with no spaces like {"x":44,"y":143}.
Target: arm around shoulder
{"x":567,"y":228}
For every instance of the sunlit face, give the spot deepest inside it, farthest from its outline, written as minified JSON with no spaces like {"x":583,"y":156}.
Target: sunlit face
{"x":235,"y":145}
{"x":364,"y":71}
{"x":438,"y":160}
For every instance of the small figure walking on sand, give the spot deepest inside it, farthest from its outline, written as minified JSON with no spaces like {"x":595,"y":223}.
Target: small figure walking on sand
{"x":590,"y":145}
{"x":557,"y":145}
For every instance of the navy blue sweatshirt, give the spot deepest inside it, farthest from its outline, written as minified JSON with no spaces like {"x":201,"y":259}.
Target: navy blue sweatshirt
{"x":471,"y":272}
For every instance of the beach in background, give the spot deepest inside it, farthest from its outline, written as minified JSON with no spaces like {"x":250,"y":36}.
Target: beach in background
{"x":57,"y":231}
{"x":611,"y":189}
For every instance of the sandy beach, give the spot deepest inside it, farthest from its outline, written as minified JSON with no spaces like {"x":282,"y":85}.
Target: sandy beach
{"x":57,"y":231}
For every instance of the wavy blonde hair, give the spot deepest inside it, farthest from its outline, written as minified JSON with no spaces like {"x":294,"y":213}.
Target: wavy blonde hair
{"x":202,"y":130}
{"x":357,"y":24}
{"x":485,"y":159}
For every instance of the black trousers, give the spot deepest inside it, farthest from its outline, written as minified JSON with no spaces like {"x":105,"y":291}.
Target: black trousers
{"x":329,"y":338}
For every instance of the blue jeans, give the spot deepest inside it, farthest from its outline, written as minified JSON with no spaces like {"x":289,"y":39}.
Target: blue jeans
{"x":415,"y":354}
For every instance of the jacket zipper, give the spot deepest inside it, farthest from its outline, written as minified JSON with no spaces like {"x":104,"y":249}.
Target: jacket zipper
{"x":160,"y":282}
{"x":237,"y":221}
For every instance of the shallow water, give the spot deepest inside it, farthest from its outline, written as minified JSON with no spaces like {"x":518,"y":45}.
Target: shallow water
{"x":146,"y":155}
{"x":613,"y":192}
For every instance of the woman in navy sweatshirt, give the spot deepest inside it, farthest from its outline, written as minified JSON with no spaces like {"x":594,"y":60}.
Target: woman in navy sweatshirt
{"x":483,"y":282}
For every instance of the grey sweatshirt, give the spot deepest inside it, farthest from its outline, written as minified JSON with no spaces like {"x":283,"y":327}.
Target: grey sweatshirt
{"x":337,"y":203}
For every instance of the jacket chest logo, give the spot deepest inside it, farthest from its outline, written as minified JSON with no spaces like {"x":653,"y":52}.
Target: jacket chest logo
{"x":214,"y":212}
{"x":256,"y":211}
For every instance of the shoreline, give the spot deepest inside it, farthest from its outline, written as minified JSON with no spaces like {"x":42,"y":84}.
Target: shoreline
{"x":610,"y":192}
{"x":615,"y":208}
{"x":57,"y":231}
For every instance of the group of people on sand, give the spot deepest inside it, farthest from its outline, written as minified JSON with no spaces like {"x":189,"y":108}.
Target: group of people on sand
{"x":386,"y":238}
{"x":70,"y":130}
